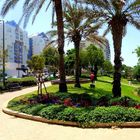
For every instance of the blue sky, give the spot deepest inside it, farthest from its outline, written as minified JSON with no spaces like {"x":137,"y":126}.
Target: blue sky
{"x":43,"y":24}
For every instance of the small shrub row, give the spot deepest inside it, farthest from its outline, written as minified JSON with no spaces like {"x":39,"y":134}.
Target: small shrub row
{"x":25,"y":81}
{"x":82,"y":115}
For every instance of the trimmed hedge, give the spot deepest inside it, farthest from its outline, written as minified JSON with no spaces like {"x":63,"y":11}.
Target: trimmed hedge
{"x":25,"y":81}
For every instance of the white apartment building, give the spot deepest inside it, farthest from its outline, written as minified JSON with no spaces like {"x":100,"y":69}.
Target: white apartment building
{"x":16,"y":46}
{"x":36,"y":44}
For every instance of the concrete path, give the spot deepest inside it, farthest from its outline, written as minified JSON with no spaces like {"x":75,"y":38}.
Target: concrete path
{"x":12,"y":128}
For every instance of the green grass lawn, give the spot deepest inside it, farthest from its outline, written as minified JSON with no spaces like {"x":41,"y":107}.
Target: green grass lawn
{"x":103,"y":87}
{"x":123,"y":81}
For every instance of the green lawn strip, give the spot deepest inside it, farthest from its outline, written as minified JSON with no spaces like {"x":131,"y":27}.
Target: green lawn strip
{"x":123,"y":81}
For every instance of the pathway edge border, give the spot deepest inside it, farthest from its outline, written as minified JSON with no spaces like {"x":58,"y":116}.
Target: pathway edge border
{"x":68,"y":123}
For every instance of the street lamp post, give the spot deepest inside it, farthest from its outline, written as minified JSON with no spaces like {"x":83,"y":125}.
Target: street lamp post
{"x":3,"y":49}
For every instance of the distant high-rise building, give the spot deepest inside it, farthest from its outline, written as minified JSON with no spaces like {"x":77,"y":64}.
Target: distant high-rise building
{"x":36,"y":44}
{"x":16,"y":47}
{"x":104,"y":47}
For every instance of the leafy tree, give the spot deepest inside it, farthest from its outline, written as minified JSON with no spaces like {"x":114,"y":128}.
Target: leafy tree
{"x":51,"y":56}
{"x":34,"y":6}
{"x":107,"y":67}
{"x":127,"y":71}
{"x":70,"y":61}
{"x":137,"y":51}
{"x":117,"y":14}
{"x":37,"y":64}
{"x":136,"y":72}
{"x":95,"y":58}
{"x":84,"y":58}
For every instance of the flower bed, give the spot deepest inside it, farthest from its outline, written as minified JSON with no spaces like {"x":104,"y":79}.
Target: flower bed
{"x":82,"y":109}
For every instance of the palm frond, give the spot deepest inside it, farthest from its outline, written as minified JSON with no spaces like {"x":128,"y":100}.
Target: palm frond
{"x":124,"y":31}
{"x":134,"y":22}
{"x":52,"y":33}
{"x":8,"y":4}
{"x":52,"y":42}
{"x":132,"y":5}
{"x":107,"y":30}
{"x":48,"y":5}
{"x":38,"y":9}
{"x":28,"y":11}
{"x":26,"y":3}
{"x":101,"y":5}
{"x":53,"y":11}
{"x":97,"y":39}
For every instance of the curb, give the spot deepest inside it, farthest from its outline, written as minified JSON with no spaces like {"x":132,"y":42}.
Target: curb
{"x":68,"y":123}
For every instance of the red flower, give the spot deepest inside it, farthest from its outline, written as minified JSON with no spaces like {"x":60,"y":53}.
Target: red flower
{"x":68,"y":102}
{"x":137,"y":106}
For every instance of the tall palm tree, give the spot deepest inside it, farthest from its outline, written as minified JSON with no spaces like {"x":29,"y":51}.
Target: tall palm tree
{"x":117,"y":14}
{"x":34,"y":6}
{"x":78,"y":26}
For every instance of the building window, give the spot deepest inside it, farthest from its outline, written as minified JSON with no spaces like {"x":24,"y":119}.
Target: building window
{"x":18,"y":52}
{"x":17,"y":36}
{"x":21,"y":36}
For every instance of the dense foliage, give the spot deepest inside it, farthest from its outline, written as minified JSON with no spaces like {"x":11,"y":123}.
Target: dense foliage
{"x":25,"y":81}
{"x":81,"y":115}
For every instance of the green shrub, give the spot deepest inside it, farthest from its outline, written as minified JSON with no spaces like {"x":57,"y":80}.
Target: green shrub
{"x":138,"y":91}
{"x":19,"y":107}
{"x":1,"y":88}
{"x":114,"y":114}
{"x":33,"y":109}
{"x":73,"y":114}
{"x":25,"y":81}
{"x":85,"y":76}
{"x":28,"y":81}
{"x":123,"y":101}
{"x":50,"y":112}
{"x":13,"y":103}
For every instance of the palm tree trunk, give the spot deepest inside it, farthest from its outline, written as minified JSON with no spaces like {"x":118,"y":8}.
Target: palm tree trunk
{"x":117,"y":31}
{"x":76,"y":39}
{"x":60,"y":29}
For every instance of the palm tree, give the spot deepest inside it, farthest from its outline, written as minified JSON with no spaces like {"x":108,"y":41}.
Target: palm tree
{"x":117,"y":14}
{"x":31,"y":6}
{"x":78,"y":26}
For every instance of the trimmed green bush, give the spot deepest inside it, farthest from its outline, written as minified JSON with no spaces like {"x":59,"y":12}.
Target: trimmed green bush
{"x":33,"y":109}
{"x":51,"y":111}
{"x":114,"y":114}
{"x":25,"y":81}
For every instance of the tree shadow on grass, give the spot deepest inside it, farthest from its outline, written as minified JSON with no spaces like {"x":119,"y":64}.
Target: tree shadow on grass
{"x":109,"y":82}
{"x":97,"y":92}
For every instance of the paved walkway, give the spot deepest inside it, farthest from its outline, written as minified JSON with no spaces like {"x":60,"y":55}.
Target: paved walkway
{"x":12,"y":128}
